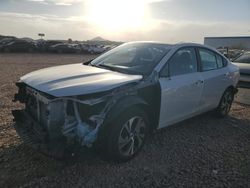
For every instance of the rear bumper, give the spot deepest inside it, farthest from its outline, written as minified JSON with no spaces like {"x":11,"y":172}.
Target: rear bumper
{"x":35,"y":136}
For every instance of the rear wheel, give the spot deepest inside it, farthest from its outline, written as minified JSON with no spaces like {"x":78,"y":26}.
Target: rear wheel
{"x":225,"y":103}
{"x":127,"y":135}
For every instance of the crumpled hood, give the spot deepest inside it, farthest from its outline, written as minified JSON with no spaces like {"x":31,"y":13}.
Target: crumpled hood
{"x":76,"y":79}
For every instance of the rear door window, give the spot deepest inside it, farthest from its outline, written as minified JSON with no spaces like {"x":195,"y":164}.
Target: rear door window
{"x":208,"y":59}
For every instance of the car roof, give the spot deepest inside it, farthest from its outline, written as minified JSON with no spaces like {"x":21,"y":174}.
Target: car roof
{"x":176,"y":45}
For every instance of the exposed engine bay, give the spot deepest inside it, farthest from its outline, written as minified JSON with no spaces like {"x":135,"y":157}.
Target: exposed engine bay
{"x":51,"y":119}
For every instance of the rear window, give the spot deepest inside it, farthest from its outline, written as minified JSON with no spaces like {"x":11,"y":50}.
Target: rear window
{"x":224,"y":62}
{"x":219,"y":61}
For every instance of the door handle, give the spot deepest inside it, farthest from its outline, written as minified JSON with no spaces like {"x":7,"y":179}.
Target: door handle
{"x":199,"y":82}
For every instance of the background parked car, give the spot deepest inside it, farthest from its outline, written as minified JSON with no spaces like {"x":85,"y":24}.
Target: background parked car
{"x":92,"y":48}
{"x":48,"y":43}
{"x":230,"y":53}
{"x":65,"y":48}
{"x":243,"y":62}
{"x":13,"y":44}
{"x":41,"y":45}
{"x":4,"y":41}
{"x":95,"y":49}
{"x":18,"y":45}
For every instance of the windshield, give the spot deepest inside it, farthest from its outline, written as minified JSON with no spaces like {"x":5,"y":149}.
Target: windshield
{"x":133,"y":58}
{"x":245,"y":58}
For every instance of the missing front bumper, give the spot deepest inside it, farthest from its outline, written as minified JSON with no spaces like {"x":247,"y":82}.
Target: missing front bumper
{"x":36,"y":137}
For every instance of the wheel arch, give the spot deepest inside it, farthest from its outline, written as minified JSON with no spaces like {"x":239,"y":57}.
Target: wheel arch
{"x":120,"y":106}
{"x":124,"y":104}
{"x":219,"y":112}
{"x":232,"y":88}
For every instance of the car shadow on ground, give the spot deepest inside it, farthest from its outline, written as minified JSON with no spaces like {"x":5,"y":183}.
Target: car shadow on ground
{"x":195,"y":146}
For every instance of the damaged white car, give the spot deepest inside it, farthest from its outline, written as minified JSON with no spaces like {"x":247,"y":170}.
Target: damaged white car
{"x":114,"y":101}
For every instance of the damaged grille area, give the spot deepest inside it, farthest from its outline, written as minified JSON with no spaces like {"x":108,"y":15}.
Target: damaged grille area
{"x":64,"y":120}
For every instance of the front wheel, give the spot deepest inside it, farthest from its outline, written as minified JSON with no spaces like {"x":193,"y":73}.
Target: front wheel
{"x":225,"y":103}
{"x":127,"y":135}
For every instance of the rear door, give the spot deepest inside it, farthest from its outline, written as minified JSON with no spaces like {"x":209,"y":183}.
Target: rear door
{"x":181,"y":87}
{"x":215,"y":76}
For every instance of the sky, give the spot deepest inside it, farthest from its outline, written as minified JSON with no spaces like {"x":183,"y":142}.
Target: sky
{"x":168,"y":21}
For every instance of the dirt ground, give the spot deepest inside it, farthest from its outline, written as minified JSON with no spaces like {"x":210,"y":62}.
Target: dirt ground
{"x":201,"y":152}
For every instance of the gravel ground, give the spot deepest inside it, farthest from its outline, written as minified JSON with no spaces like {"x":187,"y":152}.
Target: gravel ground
{"x":201,"y":152}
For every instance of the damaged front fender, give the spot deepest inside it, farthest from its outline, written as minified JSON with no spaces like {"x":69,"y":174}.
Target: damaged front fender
{"x":64,"y":116}
{"x":79,"y":118}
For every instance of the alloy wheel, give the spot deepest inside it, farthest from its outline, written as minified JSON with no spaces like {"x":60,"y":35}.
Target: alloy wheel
{"x":132,"y":136}
{"x":226,"y":102}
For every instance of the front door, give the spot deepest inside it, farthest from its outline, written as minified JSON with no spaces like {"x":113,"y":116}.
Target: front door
{"x":181,"y":87}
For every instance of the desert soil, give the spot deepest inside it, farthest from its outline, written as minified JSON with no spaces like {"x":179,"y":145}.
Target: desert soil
{"x":201,"y":152}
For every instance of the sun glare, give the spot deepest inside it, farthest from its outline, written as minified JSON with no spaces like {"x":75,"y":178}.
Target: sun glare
{"x":117,"y":15}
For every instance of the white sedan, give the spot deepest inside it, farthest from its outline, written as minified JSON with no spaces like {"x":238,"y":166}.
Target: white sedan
{"x":114,"y":101}
{"x":243,"y":62}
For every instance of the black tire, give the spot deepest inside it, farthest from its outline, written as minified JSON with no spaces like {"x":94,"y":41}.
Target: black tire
{"x":225,"y":103}
{"x":113,"y":144}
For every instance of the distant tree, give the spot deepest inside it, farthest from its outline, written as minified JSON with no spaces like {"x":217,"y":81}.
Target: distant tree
{"x":70,"y":40}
